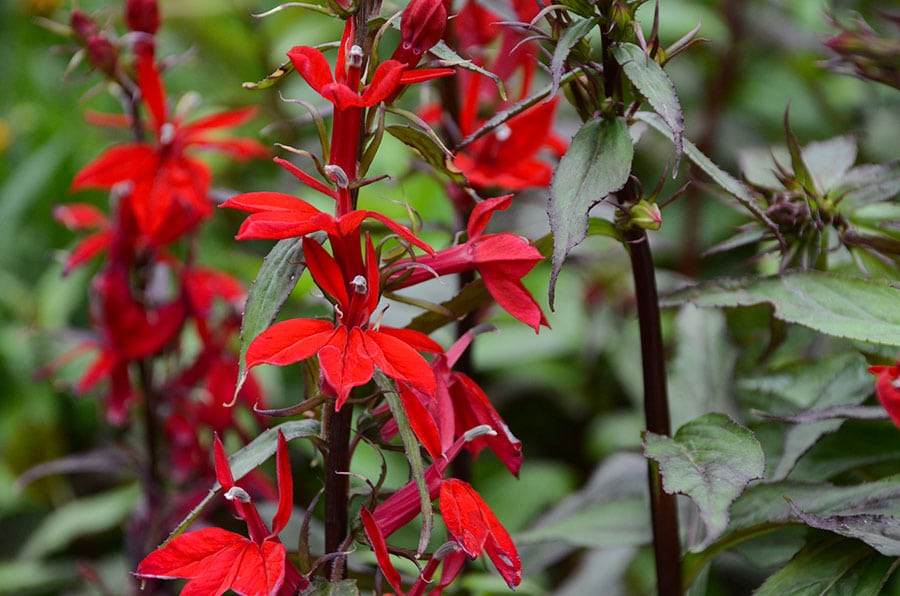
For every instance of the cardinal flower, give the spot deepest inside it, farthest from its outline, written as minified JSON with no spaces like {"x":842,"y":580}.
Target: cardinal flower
{"x":216,"y":560}
{"x":168,"y":189}
{"x":502,"y":260}
{"x":83,"y":217}
{"x":351,"y":347}
{"x":343,"y":90}
{"x":475,"y":528}
{"x":887,"y":388}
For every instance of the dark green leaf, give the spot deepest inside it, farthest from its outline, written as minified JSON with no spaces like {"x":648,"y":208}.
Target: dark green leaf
{"x":798,"y":163}
{"x":872,"y":443}
{"x":275,"y":281}
{"x":449,"y":59}
{"x":831,"y":566}
{"x":473,"y":296}
{"x":573,"y":34}
{"x":654,"y":84}
{"x":711,"y":459}
{"x":881,"y":532}
{"x":250,"y":457}
{"x":870,"y":183}
{"x":848,"y":307}
{"x":413,"y":455}
{"x":430,"y":148}
{"x":597,"y":163}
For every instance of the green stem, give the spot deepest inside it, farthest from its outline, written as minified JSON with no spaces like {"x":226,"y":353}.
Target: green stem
{"x":664,"y":513}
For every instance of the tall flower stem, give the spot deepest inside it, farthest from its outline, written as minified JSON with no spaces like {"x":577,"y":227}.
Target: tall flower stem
{"x":337,"y":485}
{"x":663,"y":509}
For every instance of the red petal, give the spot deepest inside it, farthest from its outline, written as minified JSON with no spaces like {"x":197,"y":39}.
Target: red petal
{"x":236,"y":148}
{"x":345,"y":364}
{"x":289,"y":342}
{"x":285,"y":487}
{"x":472,"y":408}
{"x":512,"y":296}
{"x":482,"y":213}
{"x":385,"y":81}
{"x":260,"y":202}
{"x":398,"y":360}
{"x":525,"y":128}
{"x":421,"y":422}
{"x":888,"y":394}
{"x":85,"y":250}
{"x":154,"y":95}
{"x":80,"y":216}
{"x":306,"y":178}
{"x":461,"y":510}
{"x":223,"y":468}
{"x":216,"y":561}
{"x":416,"y":339}
{"x":116,"y":164}
{"x":501,"y":549}
{"x":400,"y":230}
{"x":226,"y":119}
{"x":312,"y":66}
{"x":326,"y":273}
{"x":376,"y":539}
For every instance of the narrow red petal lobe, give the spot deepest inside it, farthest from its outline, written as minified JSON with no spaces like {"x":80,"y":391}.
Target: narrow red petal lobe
{"x":152,"y":90}
{"x":421,"y":422}
{"x":483,"y":211}
{"x":288,"y":342}
{"x":326,"y":272}
{"x":399,"y":361}
{"x":285,"y":487}
{"x":461,"y":510}
{"x":312,"y":66}
{"x":80,"y":216}
{"x":223,"y":468}
{"x":376,"y":539}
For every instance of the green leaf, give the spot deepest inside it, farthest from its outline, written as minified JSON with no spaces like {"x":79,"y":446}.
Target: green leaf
{"x":37,"y":577}
{"x":430,"y":147}
{"x":413,"y":455}
{"x":870,"y":183}
{"x":597,"y":163}
{"x":270,"y":79}
{"x":711,"y":459}
{"x":569,"y":39}
{"x":831,"y":566}
{"x":79,"y":518}
{"x":654,"y":84}
{"x":450,"y":59}
{"x":611,"y":524}
{"x":250,"y":457}
{"x":703,"y":367}
{"x":873,"y":443}
{"x":322,"y":587}
{"x":275,"y":281}
{"x":881,"y":532}
{"x":737,"y":189}
{"x":848,"y":307}
{"x":834,"y":382}
{"x":472,"y":297}
{"x":829,"y":161}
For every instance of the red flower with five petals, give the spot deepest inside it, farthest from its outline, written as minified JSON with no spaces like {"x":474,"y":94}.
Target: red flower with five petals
{"x":168,"y":189}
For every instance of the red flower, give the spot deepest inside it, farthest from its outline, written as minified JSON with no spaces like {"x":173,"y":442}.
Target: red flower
{"x":276,"y":216}
{"x":350,"y":348}
{"x":128,"y":331}
{"x":421,"y":27}
{"x":502,"y":260}
{"x":78,"y":217}
{"x":475,"y":527}
{"x":216,"y":560}
{"x":168,"y":189}
{"x":887,"y":388}
{"x":506,"y":158}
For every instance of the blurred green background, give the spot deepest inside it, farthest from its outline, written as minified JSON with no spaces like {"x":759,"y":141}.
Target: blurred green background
{"x":570,"y":394}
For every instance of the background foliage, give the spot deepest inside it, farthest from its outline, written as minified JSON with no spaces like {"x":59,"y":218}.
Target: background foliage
{"x":571,"y":394}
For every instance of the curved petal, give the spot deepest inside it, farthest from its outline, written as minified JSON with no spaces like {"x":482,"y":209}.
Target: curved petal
{"x":312,"y":66}
{"x":345,"y":364}
{"x":483,"y":211}
{"x":399,"y":360}
{"x":288,"y":342}
{"x":512,"y":296}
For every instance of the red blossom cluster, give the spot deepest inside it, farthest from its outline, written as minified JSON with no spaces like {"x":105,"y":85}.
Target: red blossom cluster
{"x":144,"y":296}
{"x":145,"y":299}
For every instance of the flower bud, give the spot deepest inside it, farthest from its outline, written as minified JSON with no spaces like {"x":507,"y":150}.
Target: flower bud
{"x":82,"y":26}
{"x":102,"y":54}
{"x":645,"y":215}
{"x":421,"y":27}
{"x":142,"y":15}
